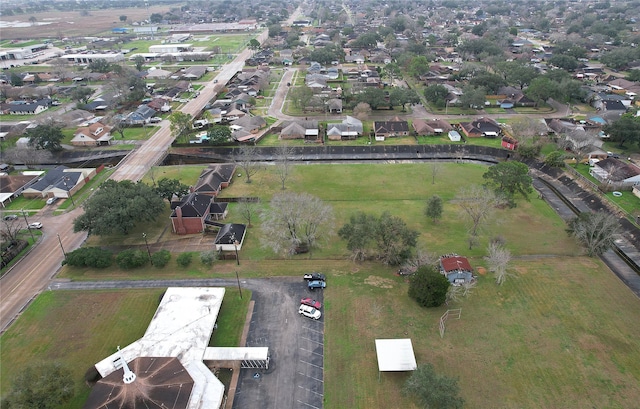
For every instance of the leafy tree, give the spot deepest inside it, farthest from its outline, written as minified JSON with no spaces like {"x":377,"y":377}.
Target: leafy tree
{"x":366,"y":40}
{"x":394,"y":239}
{"x":219,"y":135}
{"x":99,"y":65}
{"x":403,"y":96}
{"x":131,"y":258}
{"x":541,"y":89}
{"x":375,"y":97}
{"x":184,"y":259}
{"x":16,"y":80}
{"x":555,"y":159}
{"x":428,"y":287}
{"x":208,"y":257}
{"x":473,"y":97}
{"x":565,"y":62}
{"x":274,"y":30}
{"x":296,"y":222}
{"x":160,"y":258}
{"x":81,"y":94}
{"x":33,"y":20}
{"x":625,"y":129}
{"x":358,"y":233}
{"x":433,"y":391}
{"x":245,"y":158}
{"x":596,"y":230}
{"x":139,"y":62}
{"x":490,"y":82}
{"x":508,"y":179}
{"x":418,"y":66}
{"x":168,"y":187}
{"x":392,"y":70}
{"x":155,"y":18}
{"x":436,"y":94}
{"x":180,"y":123}
{"x":48,"y":137}
{"x":254,"y":44}
{"x":89,"y":257}
{"x":123,"y":18}
{"x":117,"y":206}
{"x":300,"y":96}
{"x":633,"y":75}
{"x":434,"y":208}
{"x":42,"y":386}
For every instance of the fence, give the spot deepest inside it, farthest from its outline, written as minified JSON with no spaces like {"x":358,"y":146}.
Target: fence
{"x":454,"y":314}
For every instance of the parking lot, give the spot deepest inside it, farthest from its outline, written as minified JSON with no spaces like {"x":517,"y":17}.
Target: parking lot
{"x":296,"y":346}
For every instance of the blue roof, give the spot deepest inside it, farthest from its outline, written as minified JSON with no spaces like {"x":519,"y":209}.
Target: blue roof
{"x":598,"y":120}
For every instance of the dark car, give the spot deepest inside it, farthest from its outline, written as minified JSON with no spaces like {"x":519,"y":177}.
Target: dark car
{"x":316,"y":284}
{"x":314,"y":276}
{"x":311,"y":302}
{"x":10,"y":217}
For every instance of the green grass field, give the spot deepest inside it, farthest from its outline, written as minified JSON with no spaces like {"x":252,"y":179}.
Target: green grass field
{"x":560,"y":333}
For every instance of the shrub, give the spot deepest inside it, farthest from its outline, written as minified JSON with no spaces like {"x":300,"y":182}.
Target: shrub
{"x":428,"y":287}
{"x":129,"y":259}
{"x":208,"y":257}
{"x":161,"y":258}
{"x":184,"y":259}
{"x":529,"y":151}
{"x":89,"y":257}
{"x":555,"y":159}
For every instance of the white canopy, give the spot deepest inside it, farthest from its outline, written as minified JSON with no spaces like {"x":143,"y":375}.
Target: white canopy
{"x":395,"y":355}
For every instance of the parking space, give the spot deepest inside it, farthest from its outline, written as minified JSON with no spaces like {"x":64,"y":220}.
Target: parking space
{"x":296,"y":345}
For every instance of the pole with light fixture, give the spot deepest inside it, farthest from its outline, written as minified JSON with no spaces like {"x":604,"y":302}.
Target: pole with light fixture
{"x":144,"y":236}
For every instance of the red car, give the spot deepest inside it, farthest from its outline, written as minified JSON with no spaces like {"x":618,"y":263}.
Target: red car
{"x":311,"y":302}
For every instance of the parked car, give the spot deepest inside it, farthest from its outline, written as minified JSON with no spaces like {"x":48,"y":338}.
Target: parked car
{"x":155,"y":119}
{"x":51,"y":200}
{"x":311,"y":303}
{"x":316,"y":284}
{"x":314,"y":276}
{"x":35,"y":225}
{"x":10,"y":217}
{"x":310,"y":312}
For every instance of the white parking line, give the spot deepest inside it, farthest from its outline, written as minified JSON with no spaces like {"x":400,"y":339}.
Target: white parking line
{"x":306,"y":404}
{"x":309,"y":363}
{"x":312,"y":340}
{"x":313,"y":329}
{"x":307,"y":350}
{"x":315,"y":379}
{"x":309,"y":390}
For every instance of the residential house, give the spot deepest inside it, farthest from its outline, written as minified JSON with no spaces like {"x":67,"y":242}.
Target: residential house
{"x":11,"y":186}
{"x":158,"y":74}
{"x":394,"y":127}
{"x":436,"y":127}
{"x":307,"y":130}
{"x":614,"y":171}
{"x":159,"y":105}
{"x":140,"y":116}
{"x":251,"y":124}
{"x":92,"y":135}
{"x":334,"y":106}
{"x":230,"y":237}
{"x":456,"y":268}
{"x":486,"y":127}
{"x":25,"y":107}
{"x":61,"y":182}
{"x":189,"y":214}
{"x":193,"y":73}
{"x":214,"y":178}
{"x":350,"y":128}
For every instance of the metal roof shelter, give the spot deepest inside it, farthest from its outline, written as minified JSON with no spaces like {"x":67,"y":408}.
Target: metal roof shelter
{"x":395,"y":355}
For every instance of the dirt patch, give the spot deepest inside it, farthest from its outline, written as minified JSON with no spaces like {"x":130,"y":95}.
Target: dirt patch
{"x":379,"y":282}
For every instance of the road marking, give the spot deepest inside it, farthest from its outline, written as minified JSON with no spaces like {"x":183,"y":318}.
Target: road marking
{"x":309,"y":390}
{"x":315,"y":353}
{"x":316,"y":379}
{"x":306,"y":404}
{"x":309,"y":363}
{"x":313,"y":340}
{"x":313,"y":330}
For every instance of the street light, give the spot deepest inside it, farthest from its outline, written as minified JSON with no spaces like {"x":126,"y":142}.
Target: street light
{"x":239,"y":288}
{"x":60,"y":241}
{"x":69,"y":191}
{"x":28,"y":228}
{"x":144,"y":236}
{"x":235,"y":245}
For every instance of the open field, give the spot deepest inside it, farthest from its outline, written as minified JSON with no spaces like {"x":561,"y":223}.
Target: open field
{"x":57,"y":24}
{"x":85,"y":326}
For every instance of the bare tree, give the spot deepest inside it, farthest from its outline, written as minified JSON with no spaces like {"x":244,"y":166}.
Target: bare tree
{"x":498,"y":259}
{"x":362,"y":111}
{"x":245,"y":159}
{"x":527,"y":129}
{"x":27,"y":156}
{"x":284,"y":153}
{"x":10,"y":229}
{"x":248,"y":209}
{"x":455,"y":293}
{"x":580,"y":141}
{"x":296,"y":223}
{"x":596,"y":230}
{"x":477,"y":204}
{"x":436,"y":167}
{"x":422,"y":258}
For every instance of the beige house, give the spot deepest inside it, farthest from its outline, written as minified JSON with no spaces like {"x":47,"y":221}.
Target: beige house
{"x":92,"y":135}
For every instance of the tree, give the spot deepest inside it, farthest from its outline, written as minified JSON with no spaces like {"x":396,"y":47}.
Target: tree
{"x":434,"y":208}
{"x":626,"y":129}
{"x":245,"y":159}
{"x":48,"y":137}
{"x":473,"y":97}
{"x":394,"y":239}
{"x":117,"y":207}
{"x":254,"y":44}
{"x":498,"y":259}
{"x":433,"y":391}
{"x":33,"y":20}
{"x":42,"y":386}
{"x":564,"y":62}
{"x":436,"y":94}
{"x":428,"y":287}
{"x":477,"y":205}
{"x":508,"y":179}
{"x":541,"y":89}
{"x":219,"y":135}
{"x":167,"y":188}
{"x":99,"y":65}
{"x":123,"y":18}
{"x":296,"y":222}
{"x":10,"y":229}
{"x":362,"y":110}
{"x":403,"y":96}
{"x":300,"y":96}
{"x":373,"y":96}
{"x":595,"y":230}
{"x":81,"y":94}
{"x":248,"y":210}
{"x":436,"y":167}
{"x":358,"y":233}
{"x":274,"y":30}
{"x":393,"y":71}
{"x":180,"y":123}
{"x":418,"y":66}
{"x":139,"y":62}
{"x":155,"y":18}
{"x":283,"y":162}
